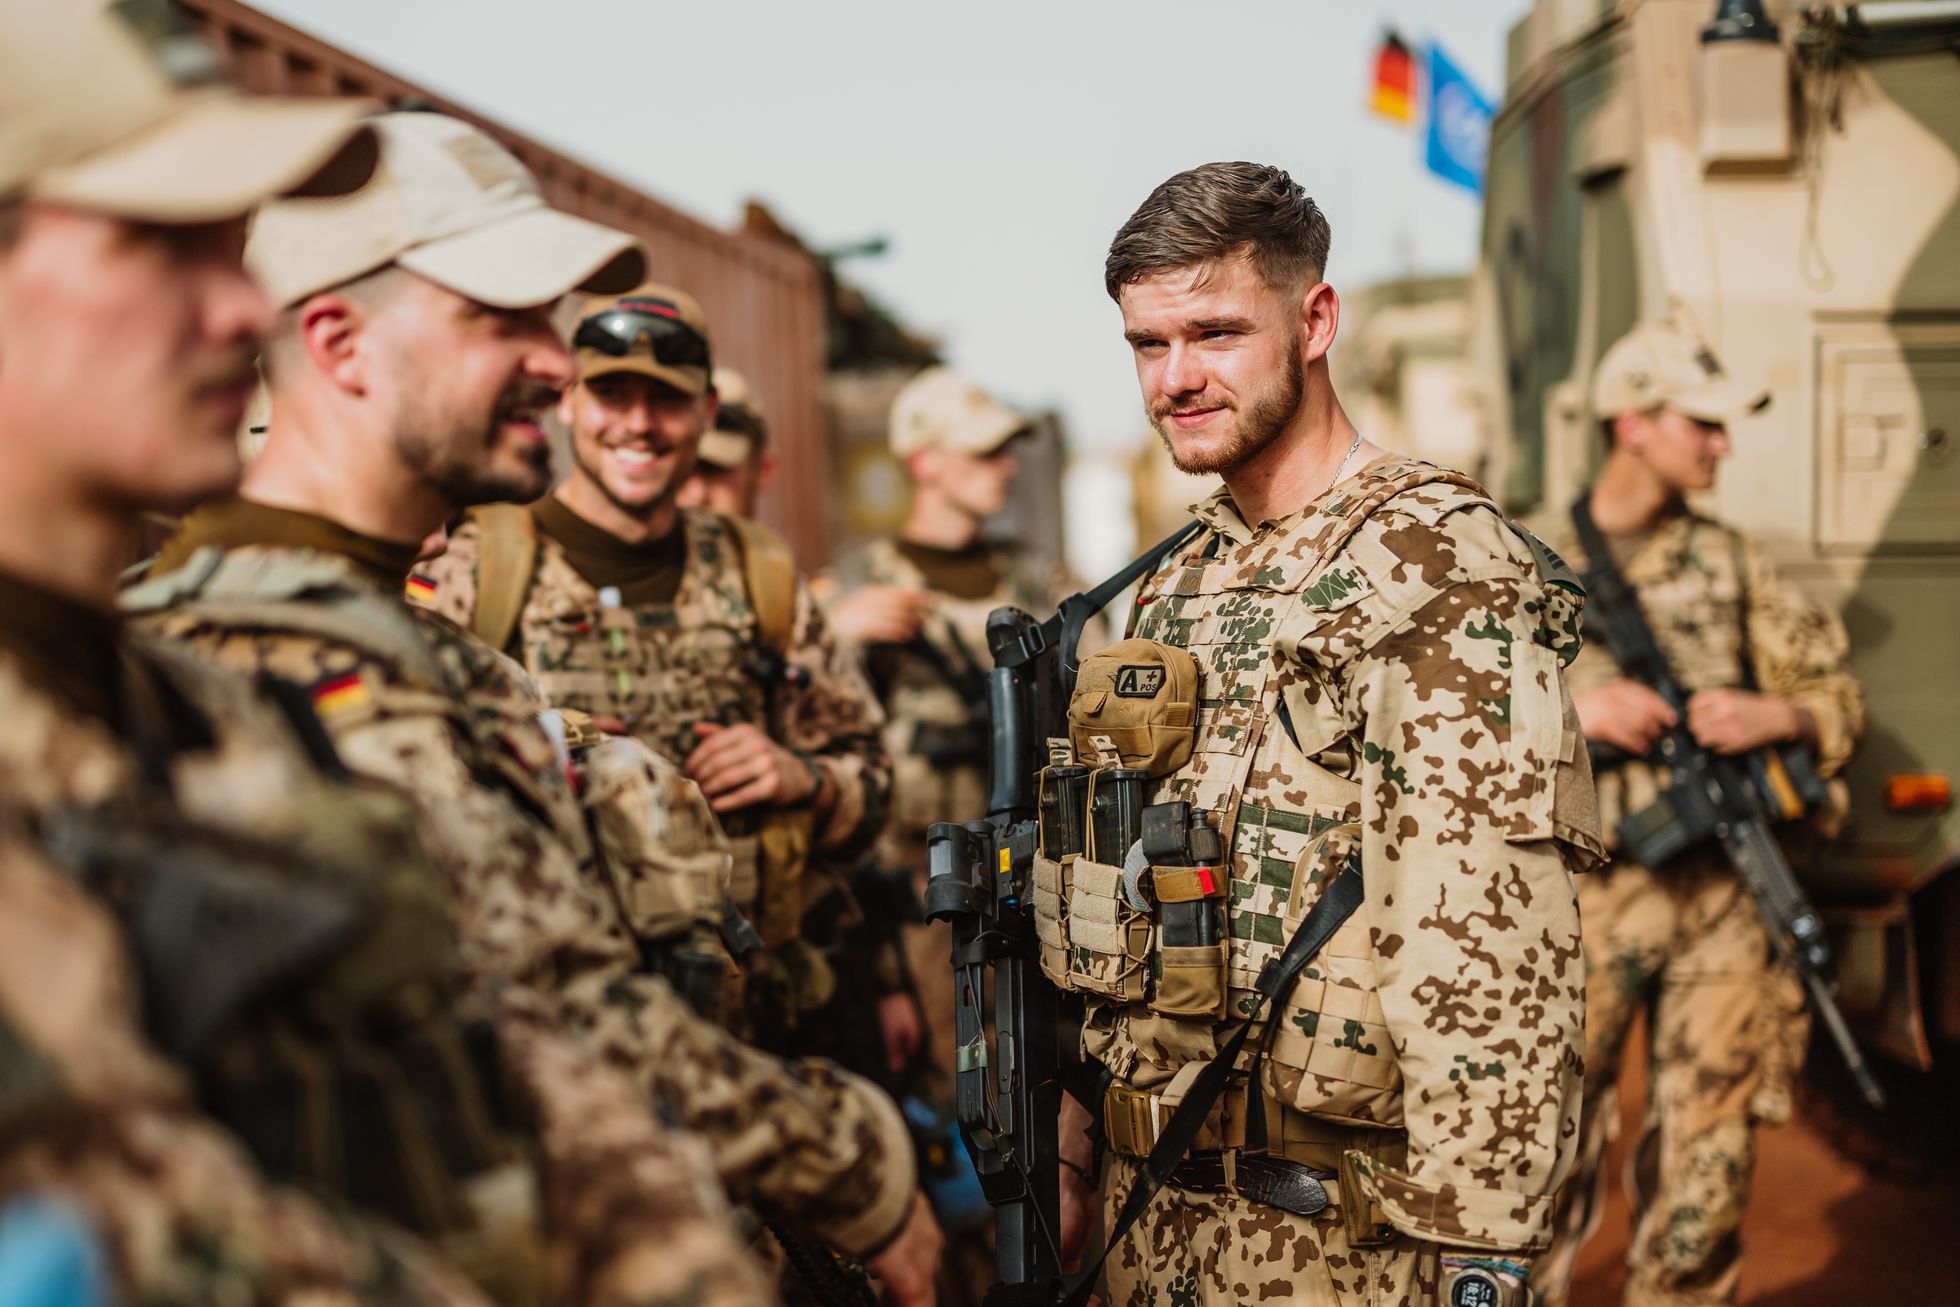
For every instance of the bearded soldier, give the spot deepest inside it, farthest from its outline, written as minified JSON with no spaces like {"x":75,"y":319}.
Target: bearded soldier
{"x":411,"y":360}
{"x":1375,"y":656}
{"x":286,"y":942}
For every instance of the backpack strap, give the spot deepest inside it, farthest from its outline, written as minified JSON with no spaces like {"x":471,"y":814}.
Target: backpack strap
{"x":506,"y":559}
{"x":769,"y":572}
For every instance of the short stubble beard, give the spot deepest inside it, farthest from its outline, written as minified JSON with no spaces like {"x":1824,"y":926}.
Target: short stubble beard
{"x":1269,"y":415}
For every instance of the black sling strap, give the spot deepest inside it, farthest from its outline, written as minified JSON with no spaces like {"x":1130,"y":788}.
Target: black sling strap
{"x":1276,"y":978}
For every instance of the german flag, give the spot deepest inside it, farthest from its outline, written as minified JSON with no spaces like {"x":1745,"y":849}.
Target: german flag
{"x":1395,"y":80}
{"x":338,"y":694}
{"x":419,"y":589}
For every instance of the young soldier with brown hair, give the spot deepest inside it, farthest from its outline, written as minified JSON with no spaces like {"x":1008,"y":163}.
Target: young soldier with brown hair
{"x":1763,"y":665}
{"x":1377,"y":655}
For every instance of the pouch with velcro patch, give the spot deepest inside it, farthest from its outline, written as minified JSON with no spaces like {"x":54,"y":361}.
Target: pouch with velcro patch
{"x":1138,"y":698}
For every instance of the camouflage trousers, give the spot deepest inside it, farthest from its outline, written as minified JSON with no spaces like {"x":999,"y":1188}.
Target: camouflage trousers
{"x":1727,"y":1029}
{"x":1218,"y":1250}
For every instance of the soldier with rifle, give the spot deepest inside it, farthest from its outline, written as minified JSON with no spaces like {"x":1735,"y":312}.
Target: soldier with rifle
{"x":1714,"y":695}
{"x":1302,"y":848}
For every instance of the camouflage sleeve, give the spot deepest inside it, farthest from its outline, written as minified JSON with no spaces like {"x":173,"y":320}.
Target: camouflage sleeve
{"x":1473,"y":815}
{"x":454,"y":575}
{"x":833,"y":721}
{"x":1799,"y":652}
{"x":89,"y":1115}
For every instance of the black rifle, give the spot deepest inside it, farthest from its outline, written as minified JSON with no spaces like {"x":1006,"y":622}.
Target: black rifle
{"x":980,"y":876}
{"x":1711,"y":798}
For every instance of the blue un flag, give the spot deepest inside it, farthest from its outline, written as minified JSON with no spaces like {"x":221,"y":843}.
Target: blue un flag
{"x":1459,"y":123}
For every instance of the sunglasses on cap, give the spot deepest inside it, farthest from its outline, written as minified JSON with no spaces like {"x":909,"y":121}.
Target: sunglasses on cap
{"x":616,"y":330}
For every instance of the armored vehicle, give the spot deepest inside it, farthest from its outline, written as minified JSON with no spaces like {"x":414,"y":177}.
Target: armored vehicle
{"x":1788,"y":178}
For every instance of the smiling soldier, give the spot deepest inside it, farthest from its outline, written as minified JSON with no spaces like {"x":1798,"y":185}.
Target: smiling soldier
{"x":1377,"y":657}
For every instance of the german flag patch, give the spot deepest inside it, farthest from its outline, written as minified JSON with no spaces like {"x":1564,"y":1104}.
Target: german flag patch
{"x":419,"y":589}
{"x":340,"y":694}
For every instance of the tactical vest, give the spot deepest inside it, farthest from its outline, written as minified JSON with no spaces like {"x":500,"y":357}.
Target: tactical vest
{"x":1286,"y":831}
{"x":296,"y":953}
{"x":936,"y":728}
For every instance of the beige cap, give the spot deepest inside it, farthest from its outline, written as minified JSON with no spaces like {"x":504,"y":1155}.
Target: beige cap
{"x":452,"y":206}
{"x":740,"y":424}
{"x":940,"y":409}
{"x":124,"y":110}
{"x":656,"y":306}
{"x":1665,"y":364}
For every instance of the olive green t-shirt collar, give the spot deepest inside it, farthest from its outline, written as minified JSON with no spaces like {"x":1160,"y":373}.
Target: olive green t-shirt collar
{"x":236,"y":523}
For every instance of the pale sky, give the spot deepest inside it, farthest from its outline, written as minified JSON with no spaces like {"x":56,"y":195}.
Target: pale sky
{"x":997,"y":146}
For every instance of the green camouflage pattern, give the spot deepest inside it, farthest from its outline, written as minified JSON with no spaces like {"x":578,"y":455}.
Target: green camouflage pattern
{"x":1388,"y":657}
{"x":456,"y":726}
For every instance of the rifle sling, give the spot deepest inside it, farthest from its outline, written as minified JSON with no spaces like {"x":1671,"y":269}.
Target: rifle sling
{"x":1276,"y":978}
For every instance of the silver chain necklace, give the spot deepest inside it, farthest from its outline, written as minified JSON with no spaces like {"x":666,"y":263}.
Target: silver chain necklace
{"x":1344,"y":462}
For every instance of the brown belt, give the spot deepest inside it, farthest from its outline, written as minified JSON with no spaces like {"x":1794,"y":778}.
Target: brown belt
{"x":1132,"y":1119}
{"x":1302,"y":1190}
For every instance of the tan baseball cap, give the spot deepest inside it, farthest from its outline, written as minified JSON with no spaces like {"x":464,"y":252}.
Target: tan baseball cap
{"x":656,"y":331}
{"x":1665,"y":364}
{"x":450,"y":205}
{"x":124,"y":110}
{"x":740,"y":424}
{"x":940,"y":409}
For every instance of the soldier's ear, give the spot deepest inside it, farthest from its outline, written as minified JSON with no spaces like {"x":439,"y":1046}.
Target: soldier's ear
{"x":329,"y":332}
{"x":1320,"y":320}
{"x":565,"y":403}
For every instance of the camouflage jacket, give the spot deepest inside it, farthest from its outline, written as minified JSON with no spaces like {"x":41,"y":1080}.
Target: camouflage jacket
{"x":185,"y":1217}
{"x":933,"y":690}
{"x":1725,"y":618}
{"x":412,"y":701}
{"x":664,"y":668}
{"x":91,"y":1114}
{"x":1382,"y":669}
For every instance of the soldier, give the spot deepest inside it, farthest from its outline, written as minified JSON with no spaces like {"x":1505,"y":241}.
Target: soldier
{"x":412,"y":358}
{"x":1377,"y":676}
{"x":689,"y":630}
{"x":734,"y":463}
{"x":1764,"y":666}
{"x":259,"y":894}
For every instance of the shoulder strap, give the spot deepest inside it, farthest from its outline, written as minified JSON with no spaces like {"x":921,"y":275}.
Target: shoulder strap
{"x":507,"y":554}
{"x":1334,"y":907}
{"x":769,"y":572}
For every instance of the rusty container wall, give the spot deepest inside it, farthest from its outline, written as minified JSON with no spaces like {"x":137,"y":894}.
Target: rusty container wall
{"x":764,"y":299}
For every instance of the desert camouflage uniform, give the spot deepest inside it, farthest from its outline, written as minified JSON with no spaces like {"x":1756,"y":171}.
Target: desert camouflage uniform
{"x":453,"y":724}
{"x":1382,"y":668}
{"x":1684,"y":942}
{"x":90,"y":1115}
{"x":532,"y":1226}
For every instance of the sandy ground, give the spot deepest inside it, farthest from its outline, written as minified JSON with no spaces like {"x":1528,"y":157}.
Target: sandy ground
{"x":1822,"y":1230}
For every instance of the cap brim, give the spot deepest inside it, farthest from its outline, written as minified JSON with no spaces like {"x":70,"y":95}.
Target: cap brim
{"x":1722,"y":402}
{"x":592,"y":363}
{"x":220,"y":157}
{"x":531,"y":258}
{"x":724,"y":449}
{"x":992,"y":437}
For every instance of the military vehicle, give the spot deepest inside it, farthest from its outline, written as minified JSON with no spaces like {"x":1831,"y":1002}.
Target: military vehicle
{"x":1787,"y":177}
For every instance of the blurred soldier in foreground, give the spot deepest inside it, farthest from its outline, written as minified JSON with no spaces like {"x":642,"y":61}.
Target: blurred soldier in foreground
{"x":1764,"y":666}
{"x":690,"y":631}
{"x":413,"y":354}
{"x":127,"y":332}
{"x":1373,"y":657}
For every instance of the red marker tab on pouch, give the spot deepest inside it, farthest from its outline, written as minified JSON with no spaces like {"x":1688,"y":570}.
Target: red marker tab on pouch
{"x":1206,"y":883}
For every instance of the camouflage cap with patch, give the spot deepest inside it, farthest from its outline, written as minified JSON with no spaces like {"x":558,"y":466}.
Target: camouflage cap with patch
{"x":452,"y":206}
{"x":642,"y":351}
{"x":1664,"y":364}
{"x":123,"y":109}
{"x":940,"y":409}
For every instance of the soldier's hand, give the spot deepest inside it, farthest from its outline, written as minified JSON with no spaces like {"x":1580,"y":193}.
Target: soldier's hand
{"x":739,"y":766}
{"x":612,"y":725}
{"x":898,"y":1017}
{"x":880,"y":614}
{"x":1625,"y":714}
{"x":906,"y":1268}
{"x":1736,"y":721}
